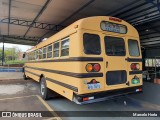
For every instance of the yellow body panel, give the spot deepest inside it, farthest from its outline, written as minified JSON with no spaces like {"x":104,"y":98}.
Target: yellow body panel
{"x":75,"y":33}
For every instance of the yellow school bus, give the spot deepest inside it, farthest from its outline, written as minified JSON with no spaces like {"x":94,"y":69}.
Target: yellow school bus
{"x":91,"y":60}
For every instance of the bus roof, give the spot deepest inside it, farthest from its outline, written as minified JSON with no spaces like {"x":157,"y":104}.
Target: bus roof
{"x":90,"y":23}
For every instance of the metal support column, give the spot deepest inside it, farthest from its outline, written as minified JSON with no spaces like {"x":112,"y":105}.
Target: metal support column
{"x":3,"y":53}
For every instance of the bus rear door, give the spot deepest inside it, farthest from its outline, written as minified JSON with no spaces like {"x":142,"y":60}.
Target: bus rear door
{"x":115,"y":70}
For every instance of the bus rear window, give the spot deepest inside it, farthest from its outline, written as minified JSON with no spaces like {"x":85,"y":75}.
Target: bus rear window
{"x":91,"y":43}
{"x":133,"y":47}
{"x":114,"y":46}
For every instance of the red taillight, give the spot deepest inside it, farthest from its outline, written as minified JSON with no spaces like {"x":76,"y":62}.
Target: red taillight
{"x":135,"y":66}
{"x":140,"y":89}
{"x":88,"y":98}
{"x":85,"y":99}
{"x":93,"y":67}
{"x":96,"y":67}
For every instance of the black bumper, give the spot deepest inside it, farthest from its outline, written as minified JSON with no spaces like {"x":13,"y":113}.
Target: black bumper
{"x":107,"y":94}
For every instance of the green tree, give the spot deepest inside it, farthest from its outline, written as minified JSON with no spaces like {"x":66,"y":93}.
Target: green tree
{"x":10,"y":54}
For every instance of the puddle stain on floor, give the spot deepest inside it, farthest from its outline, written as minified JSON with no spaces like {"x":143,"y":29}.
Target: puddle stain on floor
{"x":11,"y":89}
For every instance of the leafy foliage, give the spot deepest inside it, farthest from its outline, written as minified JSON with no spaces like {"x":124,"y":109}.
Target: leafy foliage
{"x":11,"y":55}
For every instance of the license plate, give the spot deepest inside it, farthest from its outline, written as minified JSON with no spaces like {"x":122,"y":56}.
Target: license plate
{"x":93,"y":86}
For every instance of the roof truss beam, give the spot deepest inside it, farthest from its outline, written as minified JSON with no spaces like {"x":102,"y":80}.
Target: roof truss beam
{"x":18,"y":40}
{"x":153,"y":45}
{"x":132,"y":8}
{"x":27,"y":23}
{"x":146,"y":38}
{"x":77,"y":11}
{"x":147,"y":27}
{"x":145,"y":16}
{"x":38,"y":15}
{"x":120,"y":10}
{"x":156,"y":3}
{"x":146,"y":19}
{"x":19,"y":37}
{"x":142,"y":35}
{"x":149,"y":40}
{"x":140,"y":11}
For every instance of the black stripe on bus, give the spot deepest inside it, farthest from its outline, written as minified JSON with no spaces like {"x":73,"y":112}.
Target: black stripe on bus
{"x":77,"y":75}
{"x":134,"y":59}
{"x":135,"y":72}
{"x":57,"y":82}
{"x":32,"y":73}
{"x":72,"y":59}
{"x":63,"y":84}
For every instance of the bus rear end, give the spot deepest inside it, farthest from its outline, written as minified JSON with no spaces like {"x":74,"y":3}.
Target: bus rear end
{"x":116,"y":63}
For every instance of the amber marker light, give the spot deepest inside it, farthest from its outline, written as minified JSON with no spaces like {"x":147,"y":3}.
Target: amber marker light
{"x":89,"y":67}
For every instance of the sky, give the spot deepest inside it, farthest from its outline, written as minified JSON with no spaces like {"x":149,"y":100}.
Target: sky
{"x":22,"y":47}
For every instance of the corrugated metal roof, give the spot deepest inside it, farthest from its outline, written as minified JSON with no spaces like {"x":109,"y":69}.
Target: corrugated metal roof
{"x":27,"y":22}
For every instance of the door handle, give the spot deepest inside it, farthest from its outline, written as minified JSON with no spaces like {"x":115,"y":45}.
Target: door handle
{"x":106,"y":64}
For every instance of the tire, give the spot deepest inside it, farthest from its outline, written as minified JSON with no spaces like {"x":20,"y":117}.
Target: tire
{"x":25,"y":77}
{"x":46,"y":93}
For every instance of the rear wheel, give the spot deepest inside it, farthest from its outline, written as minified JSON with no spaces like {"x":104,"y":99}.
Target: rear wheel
{"x":46,"y":93}
{"x":44,"y":89}
{"x":24,"y":75}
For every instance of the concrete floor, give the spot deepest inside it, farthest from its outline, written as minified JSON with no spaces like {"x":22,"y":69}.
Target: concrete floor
{"x":11,"y":75}
{"x":150,"y":94}
{"x":62,"y":104}
{"x":21,"y":95}
{"x":137,"y":102}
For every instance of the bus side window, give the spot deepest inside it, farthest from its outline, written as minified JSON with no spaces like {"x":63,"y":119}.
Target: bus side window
{"x":34,"y":55}
{"x":49,"y":51}
{"x":30,"y":55}
{"x":91,"y":43}
{"x":37,"y":54}
{"x":133,"y":47}
{"x":26,"y":57}
{"x":40,"y":53}
{"x":56,"y":49}
{"x":44,"y":52}
{"x":65,"y":47}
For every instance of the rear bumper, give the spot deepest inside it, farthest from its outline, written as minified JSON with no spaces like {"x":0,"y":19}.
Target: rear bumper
{"x":101,"y":96}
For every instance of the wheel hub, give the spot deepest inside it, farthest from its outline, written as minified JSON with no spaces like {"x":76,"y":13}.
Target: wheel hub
{"x":42,"y":88}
